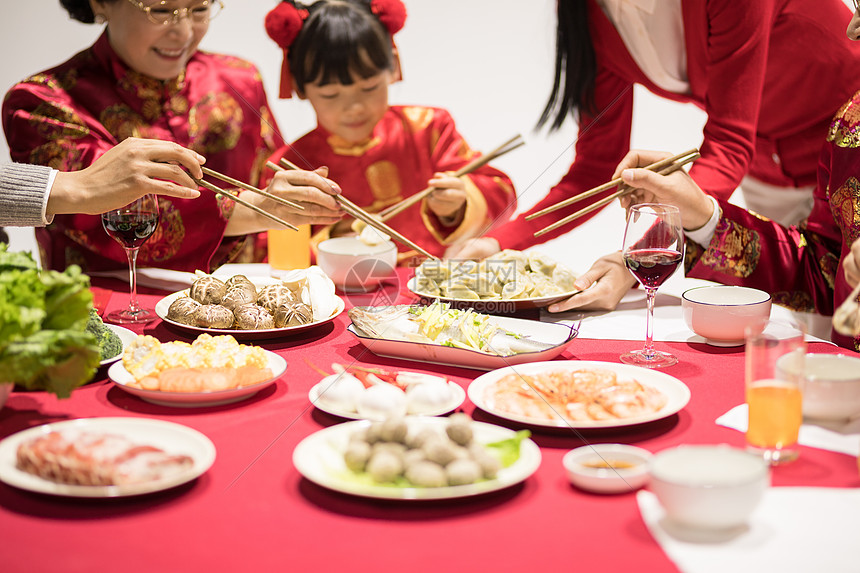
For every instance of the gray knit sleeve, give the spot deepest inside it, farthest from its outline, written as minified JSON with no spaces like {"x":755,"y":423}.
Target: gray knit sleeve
{"x":23,"y":194}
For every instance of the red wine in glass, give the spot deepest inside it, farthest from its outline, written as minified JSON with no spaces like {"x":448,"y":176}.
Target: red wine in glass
{"x":652,"y":251}
{"x":131,"y":226}
{"x":652,"y":267}
{"x":131,"y":230}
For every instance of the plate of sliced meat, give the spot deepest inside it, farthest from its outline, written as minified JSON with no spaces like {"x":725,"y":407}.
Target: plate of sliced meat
{"x":104,"y":457}
{"x":578,"y":394}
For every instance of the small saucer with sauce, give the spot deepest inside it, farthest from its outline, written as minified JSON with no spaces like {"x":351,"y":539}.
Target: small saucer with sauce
{"x":607,"y":468}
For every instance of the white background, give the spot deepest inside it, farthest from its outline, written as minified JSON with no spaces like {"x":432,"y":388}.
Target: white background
{"x":490,"y":63}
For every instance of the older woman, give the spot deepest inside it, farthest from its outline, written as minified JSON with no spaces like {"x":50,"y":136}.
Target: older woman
{"x":145,"y":77}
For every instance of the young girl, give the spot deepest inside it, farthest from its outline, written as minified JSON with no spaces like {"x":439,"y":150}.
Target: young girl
{"x":339,"y":55}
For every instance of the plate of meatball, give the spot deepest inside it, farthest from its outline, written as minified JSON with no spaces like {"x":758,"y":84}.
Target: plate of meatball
{"x":252,"y":308}
{"x":417,"y":457}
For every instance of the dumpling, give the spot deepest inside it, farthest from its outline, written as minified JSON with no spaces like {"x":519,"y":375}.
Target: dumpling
{"x":435,"y":269}
{"x":462,"y":293}
{"x":540,"y":263}
{"x":465,"y":268}
{"x":425,"y":284}
{"x":564,"y":278}
{"x":543,"y":286}
{"x":520,"y":287}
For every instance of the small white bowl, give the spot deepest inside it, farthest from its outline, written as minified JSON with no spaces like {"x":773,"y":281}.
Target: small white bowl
{"x":709,"y":486}
{"x":720,"y":313}
{"x":831,"y":386}
{"x":355,"y":266}
{"x":588,"y":467}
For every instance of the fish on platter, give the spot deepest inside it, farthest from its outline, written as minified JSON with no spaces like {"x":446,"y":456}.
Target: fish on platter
{"x":440,"y":324}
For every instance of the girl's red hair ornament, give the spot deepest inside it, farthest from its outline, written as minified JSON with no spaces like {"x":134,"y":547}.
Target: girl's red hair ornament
{"x":283,"y":24}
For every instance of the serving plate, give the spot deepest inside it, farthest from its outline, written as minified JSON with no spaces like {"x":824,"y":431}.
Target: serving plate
{"x":319,"y":458}
{"x":559,"y":336}
{"x":502,"y":306}
{"x":171,"y":437}
{"x":163,"y":305}
{"x":676,"y":392}
{"x":126,"y":336}
{"x":458,"y":395}
{"x":121,"y":377}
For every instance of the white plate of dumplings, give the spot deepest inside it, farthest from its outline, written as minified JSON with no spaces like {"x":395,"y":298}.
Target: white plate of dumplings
{"x":505,"y":282}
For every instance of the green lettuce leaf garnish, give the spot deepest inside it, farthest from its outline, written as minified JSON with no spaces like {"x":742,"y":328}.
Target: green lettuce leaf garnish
{"x":43,"y":316}
{"x":508,"y":450}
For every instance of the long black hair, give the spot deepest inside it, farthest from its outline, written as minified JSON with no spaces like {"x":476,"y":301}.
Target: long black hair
{"x":575,"y":66}
{"x":337,"y":40}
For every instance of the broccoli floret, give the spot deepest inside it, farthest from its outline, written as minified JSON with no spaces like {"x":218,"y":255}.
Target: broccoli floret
{"x":109,"y":343}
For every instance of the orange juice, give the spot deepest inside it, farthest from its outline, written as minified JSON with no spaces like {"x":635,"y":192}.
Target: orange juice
{"x":290,"y":249}
{"x":775,"y":413}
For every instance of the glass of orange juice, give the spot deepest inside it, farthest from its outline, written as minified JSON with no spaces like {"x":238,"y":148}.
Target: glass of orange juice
{"x":775,"y":353}
{"x":289,"y":249}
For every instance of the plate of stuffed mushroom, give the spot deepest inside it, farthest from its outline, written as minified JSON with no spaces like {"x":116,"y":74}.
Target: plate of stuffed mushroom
{"x":253,"y":308}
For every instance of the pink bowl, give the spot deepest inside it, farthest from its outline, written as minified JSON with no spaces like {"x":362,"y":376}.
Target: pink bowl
{"x":720,"y":313}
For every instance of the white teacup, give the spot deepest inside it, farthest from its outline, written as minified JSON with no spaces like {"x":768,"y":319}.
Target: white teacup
{"x":831,"y":386}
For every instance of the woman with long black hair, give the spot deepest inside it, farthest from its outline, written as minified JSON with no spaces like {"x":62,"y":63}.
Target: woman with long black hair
{"x":769,"y":74}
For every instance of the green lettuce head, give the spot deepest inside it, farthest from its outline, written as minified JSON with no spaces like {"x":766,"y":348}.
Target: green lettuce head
{"x":44,"y":344}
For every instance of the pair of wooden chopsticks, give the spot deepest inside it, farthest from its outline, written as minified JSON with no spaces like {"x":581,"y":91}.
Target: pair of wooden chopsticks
{"x":357,"y":212}
{"x":476,"y":163}
{"x":663,"y":167}
{"x":237,"y":183}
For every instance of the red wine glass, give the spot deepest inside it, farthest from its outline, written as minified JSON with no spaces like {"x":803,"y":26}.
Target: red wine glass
{"x":653,"y":249}
{"x":131,"y":226}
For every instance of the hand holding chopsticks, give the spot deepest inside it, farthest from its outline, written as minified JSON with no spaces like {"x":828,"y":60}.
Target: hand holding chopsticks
{"x":240,"y":201}
{"x":241,"y":185}
{"x":663,"y":167}
{"x":480,"y":161}
{"x":357,"y":212}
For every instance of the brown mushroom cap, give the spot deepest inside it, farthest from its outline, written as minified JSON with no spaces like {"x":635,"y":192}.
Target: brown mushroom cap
{"x":213,"y":316}
{"x":238,"y":295}
{"x":238,"y":280}
{"x":273,"y":296}
{"x":182,"y":310}
{"x":293,"y":314}
{"x":208,"y":290}
{"x":253,"y":317}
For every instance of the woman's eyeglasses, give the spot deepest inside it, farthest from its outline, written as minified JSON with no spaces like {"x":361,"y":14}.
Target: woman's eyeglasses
{"x":163,"y":15}
{"x":857,"y":5}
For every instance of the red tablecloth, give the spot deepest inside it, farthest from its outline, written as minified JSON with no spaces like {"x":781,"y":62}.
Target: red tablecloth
{"x":252,"y":511}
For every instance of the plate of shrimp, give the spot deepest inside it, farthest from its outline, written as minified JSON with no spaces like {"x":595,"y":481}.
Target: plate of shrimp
{"x":579,"y":394}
